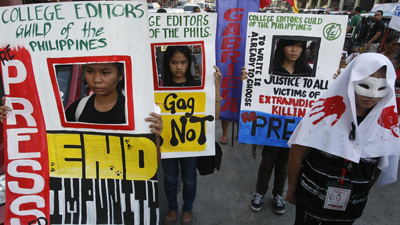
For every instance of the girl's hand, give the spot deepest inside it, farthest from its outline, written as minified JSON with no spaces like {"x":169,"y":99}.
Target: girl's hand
{"x":157,"y":125}
{"x":3,"y":110}
{"x":291,"y":196}
{"x":244,"y":75}
{"x":217,"y":76}
{"x":336,"y":75}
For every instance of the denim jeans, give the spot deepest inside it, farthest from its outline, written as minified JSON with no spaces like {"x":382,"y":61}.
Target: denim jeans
{"x":171,"y":172}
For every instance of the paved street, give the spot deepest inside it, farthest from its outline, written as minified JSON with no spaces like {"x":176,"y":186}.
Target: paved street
{"x":223,"y":198}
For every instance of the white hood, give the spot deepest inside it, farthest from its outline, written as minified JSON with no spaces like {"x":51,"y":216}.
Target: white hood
{"x":327,"y":125}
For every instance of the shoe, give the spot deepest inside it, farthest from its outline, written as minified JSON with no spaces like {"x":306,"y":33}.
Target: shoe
{"x":257,"y":202}
{"x":189,"y":222}
{"x":223,"y":140}
{"x":170,"y":222}
{"x":279,"y":205}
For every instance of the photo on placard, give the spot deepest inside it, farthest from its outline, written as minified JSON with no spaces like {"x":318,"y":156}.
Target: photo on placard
{"x":78,"y":82}
{"x":178,"y":65}
{"x":294,"y":55}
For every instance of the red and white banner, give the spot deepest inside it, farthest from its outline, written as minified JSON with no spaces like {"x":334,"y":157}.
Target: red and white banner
{"x":25,"y":134}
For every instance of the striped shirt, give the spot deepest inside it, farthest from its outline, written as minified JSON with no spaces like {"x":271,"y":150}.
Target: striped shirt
{"x":318,"y":169}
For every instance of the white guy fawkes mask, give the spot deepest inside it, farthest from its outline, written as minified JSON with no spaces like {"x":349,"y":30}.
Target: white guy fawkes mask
{"x":371,"y":87}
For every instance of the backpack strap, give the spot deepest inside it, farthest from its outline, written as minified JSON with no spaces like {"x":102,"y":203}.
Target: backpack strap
{"x":80,"y":107}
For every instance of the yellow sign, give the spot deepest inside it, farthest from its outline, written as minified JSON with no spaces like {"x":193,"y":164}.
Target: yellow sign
{"x":99,"y":156}
{"x":189,"y":103}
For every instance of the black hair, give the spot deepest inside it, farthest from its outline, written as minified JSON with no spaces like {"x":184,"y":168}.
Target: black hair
{"x":301,"y":65}
{"x":121,"y":72}
{"x":358,"y":9}
{"x":161,"y":10}
{"x":171,"y":50}
{"x":195,"y":8}
{"x":380,"y":12}
{"x":391,"y":37}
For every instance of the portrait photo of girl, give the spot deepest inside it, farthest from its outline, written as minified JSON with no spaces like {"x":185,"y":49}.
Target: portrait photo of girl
{"x":292,"y":57}
{"x":178,"y":67}
{"x":106,"y":104}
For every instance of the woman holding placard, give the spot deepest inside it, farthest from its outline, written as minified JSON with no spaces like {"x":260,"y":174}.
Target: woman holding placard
{"x":177,"y":64}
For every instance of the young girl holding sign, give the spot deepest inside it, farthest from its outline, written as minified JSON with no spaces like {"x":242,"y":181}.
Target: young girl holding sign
{"x":289,"y":60}
{"x":339,"y":145}
{"x":177,"y":64}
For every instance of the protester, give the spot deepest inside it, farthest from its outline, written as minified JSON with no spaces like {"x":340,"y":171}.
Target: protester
{"x":374,"y":35}
{"x":289,"y":59}
{"x":391,"y":45}
{"x":107,"y":103}
{"x":177,"y":63}
{"x":340,"y":147}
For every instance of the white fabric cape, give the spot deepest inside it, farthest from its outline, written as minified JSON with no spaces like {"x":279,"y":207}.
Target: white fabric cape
{"x":376,"y":136}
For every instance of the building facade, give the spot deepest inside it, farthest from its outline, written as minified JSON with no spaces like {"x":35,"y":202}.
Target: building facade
{"x":340,"y":4}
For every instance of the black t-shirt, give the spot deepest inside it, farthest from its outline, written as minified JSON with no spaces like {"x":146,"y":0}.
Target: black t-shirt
{"x":283,"y":72}
{"x":194,"y":83}
{"x":377,"y":27}
{"x":90,"y":115}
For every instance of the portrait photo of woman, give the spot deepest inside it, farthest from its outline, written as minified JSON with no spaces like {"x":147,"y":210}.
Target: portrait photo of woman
{"x":293,"y":57}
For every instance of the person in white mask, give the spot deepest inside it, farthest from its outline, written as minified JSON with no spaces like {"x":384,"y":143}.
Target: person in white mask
{"x":343,"y":144}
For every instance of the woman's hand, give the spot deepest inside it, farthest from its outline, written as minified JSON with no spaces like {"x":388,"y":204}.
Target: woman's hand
{"x":157,"y":127}
{"x":3,"y":110}
{"x":336,"y":75}
{"x":244,"y":75}
{"x":218,"y":98}
{"x":217,"y":76}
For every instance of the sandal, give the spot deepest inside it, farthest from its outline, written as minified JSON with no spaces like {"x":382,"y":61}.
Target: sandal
{"x":223,"y":140}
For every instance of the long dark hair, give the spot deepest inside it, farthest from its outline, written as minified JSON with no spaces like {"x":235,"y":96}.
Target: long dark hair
{"x":171,"y":50}
{"x":301,"y":65}
{"x":121,"y":72}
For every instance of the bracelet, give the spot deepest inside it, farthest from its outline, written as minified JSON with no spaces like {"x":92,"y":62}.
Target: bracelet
{"x":218,"y":100}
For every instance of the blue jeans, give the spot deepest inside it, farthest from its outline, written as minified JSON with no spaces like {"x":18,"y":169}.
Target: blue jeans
{"x":171,"y":172}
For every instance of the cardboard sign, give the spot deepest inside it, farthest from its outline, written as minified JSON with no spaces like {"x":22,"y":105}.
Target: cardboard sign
{"x":273,"y":98}
{"x":188,"y":107}
{"x":60,"y":170}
